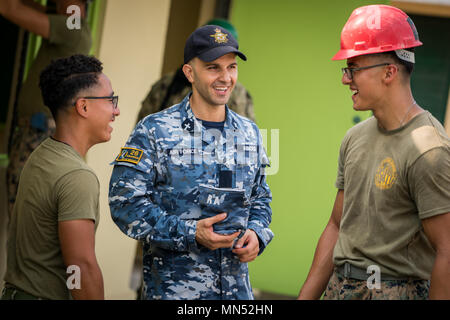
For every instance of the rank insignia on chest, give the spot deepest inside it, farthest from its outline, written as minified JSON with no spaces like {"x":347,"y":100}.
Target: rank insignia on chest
{"x":130,"y":155}
{"x":219,"y":36}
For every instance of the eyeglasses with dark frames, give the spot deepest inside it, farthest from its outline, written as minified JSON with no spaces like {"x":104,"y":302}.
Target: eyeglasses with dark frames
{"x":349,"y":71}
{"x":114,"y":99}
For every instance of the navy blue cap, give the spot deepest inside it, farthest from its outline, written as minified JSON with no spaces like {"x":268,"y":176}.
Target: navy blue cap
{"x":209,"y":43}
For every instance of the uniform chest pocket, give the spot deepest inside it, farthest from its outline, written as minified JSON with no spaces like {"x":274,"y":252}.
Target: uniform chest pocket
{"x":246,"y":154}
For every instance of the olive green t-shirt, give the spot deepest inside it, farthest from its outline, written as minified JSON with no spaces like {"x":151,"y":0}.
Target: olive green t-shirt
{"x":392,"y":180}
{"x":62,"y":42}
{"x":55,"y":185}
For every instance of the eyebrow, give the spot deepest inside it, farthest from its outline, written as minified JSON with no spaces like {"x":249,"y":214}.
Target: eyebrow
{"x":351,"y":64}
{"x":217,"y":65}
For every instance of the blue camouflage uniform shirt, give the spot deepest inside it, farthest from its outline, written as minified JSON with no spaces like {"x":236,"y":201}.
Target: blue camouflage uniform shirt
{"x":154,"y":197}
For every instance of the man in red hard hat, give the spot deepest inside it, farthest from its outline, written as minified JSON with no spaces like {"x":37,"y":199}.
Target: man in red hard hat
{"x":389,"y":232}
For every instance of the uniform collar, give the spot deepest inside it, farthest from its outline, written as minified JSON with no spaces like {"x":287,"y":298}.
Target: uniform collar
{"x":189,"y":122}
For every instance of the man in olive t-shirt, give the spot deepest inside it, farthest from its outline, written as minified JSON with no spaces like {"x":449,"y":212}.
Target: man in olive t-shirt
{"x":392,"y":180}
{"x":389,"y":232}
{"x":51,"y":240}
{"x":33,"y":120}
{"x":56,"y":185}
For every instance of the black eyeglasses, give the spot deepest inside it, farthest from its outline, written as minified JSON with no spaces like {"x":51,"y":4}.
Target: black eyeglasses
{"x":114,"y":99}
{"x":349,"y":71}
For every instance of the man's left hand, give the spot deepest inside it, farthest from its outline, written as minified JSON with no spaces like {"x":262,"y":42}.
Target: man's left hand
{"x":247,"y":247}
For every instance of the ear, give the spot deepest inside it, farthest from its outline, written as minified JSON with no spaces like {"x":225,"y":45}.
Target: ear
{"x":391,"y":73}
{"x":81,"y":107}
{"x":188,"y":72}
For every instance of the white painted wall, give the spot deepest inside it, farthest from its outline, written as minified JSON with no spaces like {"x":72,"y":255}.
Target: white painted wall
{"x":131,"y":49}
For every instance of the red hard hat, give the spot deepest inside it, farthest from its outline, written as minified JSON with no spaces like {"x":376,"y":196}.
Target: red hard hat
{"x":374,"y":29}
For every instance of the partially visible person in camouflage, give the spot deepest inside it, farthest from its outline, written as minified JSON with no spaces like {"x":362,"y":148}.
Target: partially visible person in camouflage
{"x":33,"y":120}
{"x":192,"y":156}
{"x":25,"y":139}
{"x":170,"y":90}
{"x":345,"y":288}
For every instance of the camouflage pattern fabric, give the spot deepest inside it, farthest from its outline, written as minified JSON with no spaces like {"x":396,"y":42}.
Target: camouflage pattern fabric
{"x":26,"y":137}
{"x":341,"y":288}
{"x":214,"y":201}
{"x":240,"y":100}
{"x":154,"y":197}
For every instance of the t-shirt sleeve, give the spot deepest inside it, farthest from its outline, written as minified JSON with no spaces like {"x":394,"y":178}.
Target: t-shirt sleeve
{"x":78,"y":196}
{"x":62,"y":35}
{"x":429,"y":179}
{"x":341,"y":164}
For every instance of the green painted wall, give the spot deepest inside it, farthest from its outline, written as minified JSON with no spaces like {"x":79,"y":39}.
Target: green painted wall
{"x":296,"y":89}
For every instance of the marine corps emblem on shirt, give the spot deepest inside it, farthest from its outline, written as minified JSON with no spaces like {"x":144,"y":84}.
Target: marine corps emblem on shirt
{"x":219,"y":36}
{"x":386,"y":174}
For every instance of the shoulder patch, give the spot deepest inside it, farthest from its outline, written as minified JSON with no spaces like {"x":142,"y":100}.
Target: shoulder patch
{"x":130,"y":155}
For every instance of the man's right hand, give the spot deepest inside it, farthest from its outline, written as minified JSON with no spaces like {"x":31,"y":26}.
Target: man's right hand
{"x":208,"y":238}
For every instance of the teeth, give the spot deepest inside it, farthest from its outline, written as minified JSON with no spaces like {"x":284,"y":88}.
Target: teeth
{"x":355,"y":91}
{"x":221,"y":89}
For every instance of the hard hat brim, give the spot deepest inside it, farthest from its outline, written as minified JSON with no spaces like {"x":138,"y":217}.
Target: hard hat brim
{"x":344,"y":54}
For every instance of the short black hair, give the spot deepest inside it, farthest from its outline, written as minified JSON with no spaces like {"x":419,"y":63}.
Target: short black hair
{"x":407,"y":66}
{"x":64,"y":78}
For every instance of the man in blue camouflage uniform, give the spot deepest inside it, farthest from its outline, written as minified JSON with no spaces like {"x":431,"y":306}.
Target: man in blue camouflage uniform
{"x":180,"y":168}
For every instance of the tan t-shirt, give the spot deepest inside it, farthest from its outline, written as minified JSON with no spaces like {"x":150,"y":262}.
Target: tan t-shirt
{"x":55,"y":185}
{"x":392,"y":180}
{"x":62,"y":42}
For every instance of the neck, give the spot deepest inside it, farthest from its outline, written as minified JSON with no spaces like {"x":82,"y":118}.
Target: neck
{"x":394,"y":111}
{"x":204,"y":111}
{"x":65,"y":133}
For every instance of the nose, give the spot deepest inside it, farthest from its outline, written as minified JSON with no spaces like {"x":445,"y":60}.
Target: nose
{"x":345,"y":79}
{"x":225,"y":76}
{"x":116,"y":111}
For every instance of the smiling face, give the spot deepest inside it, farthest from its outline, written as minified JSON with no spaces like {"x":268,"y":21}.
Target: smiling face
{"x":102,"y":111}
{"x":366,"y":85}
{"x":212,"y":82}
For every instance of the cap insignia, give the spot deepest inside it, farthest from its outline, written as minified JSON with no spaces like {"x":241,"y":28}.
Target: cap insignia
{"x":219,"y":36}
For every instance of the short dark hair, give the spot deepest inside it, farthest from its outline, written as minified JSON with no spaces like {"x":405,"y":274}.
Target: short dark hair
{"x":407,"y":66}
{"x":64,"y":78}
